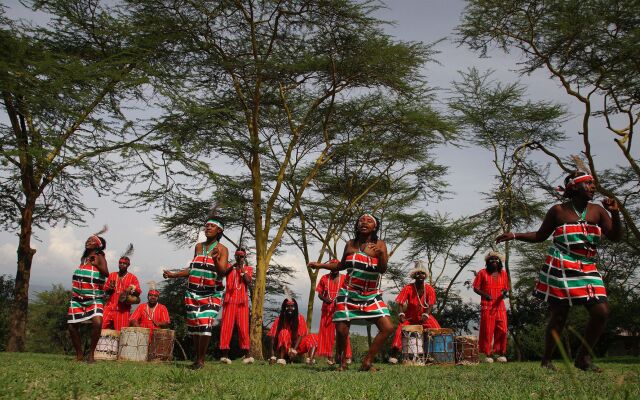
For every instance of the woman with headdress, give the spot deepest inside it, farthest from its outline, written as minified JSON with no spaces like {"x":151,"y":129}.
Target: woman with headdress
{"x":416,"y":302}
{"x":360,"y":299}
{"x":287,"y":331}
{"x":570,"y":275}
{"x":87,"y":294}
{"x":492,"y":285}
{"x":203,"y":297}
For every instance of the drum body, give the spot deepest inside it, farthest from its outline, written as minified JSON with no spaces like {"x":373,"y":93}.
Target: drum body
{"x":134,"y":344}
{"x":467,"y":350}
{"x":412,"y":345}
{"x":107,"y":347}
{"x":161,"y":345}
{"x":440,"y":346}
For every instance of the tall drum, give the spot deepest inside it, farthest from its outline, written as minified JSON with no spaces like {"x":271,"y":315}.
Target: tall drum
{"x":161,"y":346}
{"x":134,"y":344}
{"x":440,"y":346}
{"x":107,"y":347}
{"x":412,"y":345}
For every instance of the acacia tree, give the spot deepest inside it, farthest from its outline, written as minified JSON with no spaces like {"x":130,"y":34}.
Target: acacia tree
{"x":589,"y":47}
{"x":63,"y":86}
{"x":256,"y":84}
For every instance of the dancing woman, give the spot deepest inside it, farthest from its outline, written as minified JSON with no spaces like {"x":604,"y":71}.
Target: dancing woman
{"x":203,"y":297}
{"x":360,"y":300}
{"x":570,"y":275}
{"x":87,"y":294}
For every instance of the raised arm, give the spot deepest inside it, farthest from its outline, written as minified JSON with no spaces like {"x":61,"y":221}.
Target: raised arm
{"x":183,"y":273}
{"x":611,"y":225}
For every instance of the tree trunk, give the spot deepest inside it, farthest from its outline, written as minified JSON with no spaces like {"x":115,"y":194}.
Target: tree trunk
{"x":313,"y":278}
{"x":18,"y":323}
{"x":257,"y":306}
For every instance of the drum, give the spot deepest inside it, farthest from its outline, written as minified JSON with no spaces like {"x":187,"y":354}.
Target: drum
{"x":107,"y":347}
{"x":412,"y":345}
{"x":134,"y":344}
{"x":440,"y":346}
{"x":466,"y":350}
{"x":161,"y":345}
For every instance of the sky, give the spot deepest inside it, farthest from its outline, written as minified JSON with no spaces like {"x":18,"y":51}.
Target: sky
{"x":59,"y":248}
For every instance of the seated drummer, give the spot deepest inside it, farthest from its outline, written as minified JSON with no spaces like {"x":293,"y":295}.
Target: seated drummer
{"x":416,"y":301}
{"x":151,"y":315}
{"x":287,"y":332}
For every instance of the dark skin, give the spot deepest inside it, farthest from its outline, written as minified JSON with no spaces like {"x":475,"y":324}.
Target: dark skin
{"x":495,"y":262}
{"x":282,"y":352}
{"x":334,"y":276}
{"x":611,"y":227}
{"x":220,"y":256}
{"x":238,"y":266}
{"x":152,"y":299}
{"x":123,"y":267}
{"x":366,"y":228}
{"x":97,"y":260}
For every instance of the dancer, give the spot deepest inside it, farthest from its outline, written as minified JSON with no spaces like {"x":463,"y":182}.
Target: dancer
{"x":570,"y":275}
{"x":327,"y":290}
{"x":492,"y":284}
{"x":286,"y":332}
{"x":87,"y":295}
{"x":416,"y":301}
{"x":235,"y":309}
{"x":306,"y":349}
{"x":360,"y":300}
{"x":204,"y":289}
{"x":124,"y":290}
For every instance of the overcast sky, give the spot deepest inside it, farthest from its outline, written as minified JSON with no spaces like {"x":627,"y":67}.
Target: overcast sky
{"x":60,"y":248}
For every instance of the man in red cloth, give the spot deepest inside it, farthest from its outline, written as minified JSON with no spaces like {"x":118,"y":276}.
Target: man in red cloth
{"x":327,"y":290}
{"x":492,"y":284}
{"x":235,"y":307}
{"x":287,"y":332}
{"x":119,"y":286}
{"x":151,"y":315}
{"x":416,"y":301}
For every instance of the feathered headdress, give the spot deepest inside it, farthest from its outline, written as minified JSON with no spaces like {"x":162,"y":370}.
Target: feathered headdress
{"x":212,"y":216}
{"x":126,"y":256}
{"x":153,"y":287}
{"x":580,"y":167}
{"x":288,"y":295}
{"x":96,"y":235}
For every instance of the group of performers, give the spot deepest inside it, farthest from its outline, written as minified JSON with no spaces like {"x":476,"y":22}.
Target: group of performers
{"x":569,"y":277}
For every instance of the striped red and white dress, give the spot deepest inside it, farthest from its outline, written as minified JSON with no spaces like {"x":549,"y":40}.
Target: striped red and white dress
{"x":360,"y":297}
{"x":570,"y":274}
{"x":87,"y":294}
{"x":203,"y":297}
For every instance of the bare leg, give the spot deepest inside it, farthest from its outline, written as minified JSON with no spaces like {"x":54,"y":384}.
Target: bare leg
{"x":385,"y":329}
{"x":96,"y":328}
{"x":342,"y":334}
{"x":598,"y":315}
{"x":75,"y":339}
{"x":203,"y":345}
{"x":559,"y":313}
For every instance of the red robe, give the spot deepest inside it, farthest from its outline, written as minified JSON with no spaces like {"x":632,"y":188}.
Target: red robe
{"x":307,"y":343}
{"x":416,"y":306}
{"x":284,"y":339}
{"x":327,"y":331}
{"x":493,"y":317}
{"x":116,"y":312}
{"x":149,"y":317}
{"x":235,"y":309}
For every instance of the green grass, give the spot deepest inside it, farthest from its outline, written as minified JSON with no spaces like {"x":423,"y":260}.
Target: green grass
{"x":44,"y":376}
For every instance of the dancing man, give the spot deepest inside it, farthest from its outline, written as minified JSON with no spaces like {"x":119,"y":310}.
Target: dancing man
{"x":327,"y":290}
{"x":152,"y":314}
{"x":286,"y":332}
{"x":235,"y":309}
{"x":416,"y":302}
{"x":360,"y":299}
{"x":492,"y":284}
{"x":87,"y":294}
{"x":570,"y":275}
{"x":120,"y":285}
{"x":204,"y":287}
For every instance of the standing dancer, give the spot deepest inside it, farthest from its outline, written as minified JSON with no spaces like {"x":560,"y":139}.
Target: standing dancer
{"x":204,"y":289}
{"x":120,"y":286}
{"x":327,"y":290}
{"x":570,"y":275}
{"x":235,"y":309}
{"x":360,"y":300}
{"x":492,"y":284}
{"x":287,"y":332}
{"x":87,"y":295}
{"x":416,"y":301}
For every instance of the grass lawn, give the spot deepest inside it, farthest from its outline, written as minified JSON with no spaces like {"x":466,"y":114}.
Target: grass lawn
{"x":45,"y":376}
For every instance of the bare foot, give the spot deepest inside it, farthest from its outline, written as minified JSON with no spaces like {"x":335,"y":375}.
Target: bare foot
{"x":587,"y":365}
{"x":367,"y":366}
{"x":548,"y":365}
{"x":80,"y":358}
{"x":91,"y":360}
{"x":196,"y":365}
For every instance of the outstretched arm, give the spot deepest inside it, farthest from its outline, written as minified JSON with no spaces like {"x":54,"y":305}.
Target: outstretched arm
{"x":546,"y":229}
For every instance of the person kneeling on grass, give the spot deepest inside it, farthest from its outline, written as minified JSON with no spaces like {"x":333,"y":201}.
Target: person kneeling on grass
{"x":287,"y":332}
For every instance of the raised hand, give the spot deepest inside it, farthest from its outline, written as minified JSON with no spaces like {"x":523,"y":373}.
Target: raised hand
{"x":610,"y":205}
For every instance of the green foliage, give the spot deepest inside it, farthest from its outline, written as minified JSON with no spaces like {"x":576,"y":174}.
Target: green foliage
{"x":6,"y":299}
{"x":56,"y":377}
{"x":47,"y":322}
